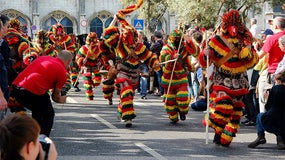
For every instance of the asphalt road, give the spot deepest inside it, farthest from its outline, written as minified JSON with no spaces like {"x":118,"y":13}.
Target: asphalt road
{"x":89,"y":130}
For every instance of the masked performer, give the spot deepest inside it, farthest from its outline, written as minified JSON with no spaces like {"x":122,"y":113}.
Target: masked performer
{"x":43,"y":45}
{"x":232,"y":54}
{"x":176,"y":97}
{"x":74,"y":68}
{"x":109,"y":79}
{"x":129,"y":54}
{"x":22,"y":51}
{"x":89,"y":58}
{"x":61,"y":41}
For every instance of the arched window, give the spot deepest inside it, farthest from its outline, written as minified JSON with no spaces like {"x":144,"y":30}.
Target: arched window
{"x":68,"y":26}
{"x":23,"y":23}
{"x":96,"y":25}
{"x":48,"y":23}
{"x":22,"y":20}
{"x":108,"y":21}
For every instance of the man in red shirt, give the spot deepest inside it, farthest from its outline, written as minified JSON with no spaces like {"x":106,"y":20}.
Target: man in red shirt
{"x":31,"y":87}
{"x":271,"y":48}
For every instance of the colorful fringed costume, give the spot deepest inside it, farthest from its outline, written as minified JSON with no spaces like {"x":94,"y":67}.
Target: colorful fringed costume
{"x":22,"y":51}
{"x":61,"y":41}
{"x":74,"y":67}
{"x":232,"y":55}
{"x":177,"y":99}
{"x":109,"y":79}
{"x":129,"y":54}
{"x":43,"y":45}
{"x":89,"y":59}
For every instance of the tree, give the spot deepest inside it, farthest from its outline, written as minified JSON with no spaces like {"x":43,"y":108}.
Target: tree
{"x":205,"y":13}
{"x":149,"y":11}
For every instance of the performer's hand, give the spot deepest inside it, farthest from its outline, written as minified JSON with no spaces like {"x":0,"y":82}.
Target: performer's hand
{"x":207,"y":51}
{"x":175,"y":55}
{"x":84,"y":61}
{"x":156,"y":65}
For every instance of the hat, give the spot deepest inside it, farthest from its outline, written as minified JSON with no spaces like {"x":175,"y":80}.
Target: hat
{"x":268,"y":32}
{"x":157,"y":34}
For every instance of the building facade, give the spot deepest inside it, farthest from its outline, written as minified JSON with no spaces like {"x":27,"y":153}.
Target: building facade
{"x":84,"y":16}
{"x":77,"y":16}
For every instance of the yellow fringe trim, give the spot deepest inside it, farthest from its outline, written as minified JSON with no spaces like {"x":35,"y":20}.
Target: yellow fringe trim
{"x":226,"y":137}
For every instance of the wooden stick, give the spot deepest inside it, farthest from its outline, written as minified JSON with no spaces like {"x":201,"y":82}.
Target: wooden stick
{"x":175,"y":61}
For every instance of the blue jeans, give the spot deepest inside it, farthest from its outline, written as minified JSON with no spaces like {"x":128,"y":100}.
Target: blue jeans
{"x":261,"y":128}
{"x":190,"y":86}
{"x":159,"y":75}
{"x":143,"y":81}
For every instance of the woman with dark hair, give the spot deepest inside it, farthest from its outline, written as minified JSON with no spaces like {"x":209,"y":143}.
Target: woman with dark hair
{"x":19,"y":139}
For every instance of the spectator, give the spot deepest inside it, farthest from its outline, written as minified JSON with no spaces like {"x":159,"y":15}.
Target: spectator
{"x":144,"y":73}
{"x":197,"y":38}
{"x":4,"y":65}
{"x":156,"y":48}
{"x":281,"y":65}
{"x":31,"y":87}
{"x":265,"y":34}
{"x":271,"y":48}
{"x":250,"y":100}
{"x":273,"y":119}
{"x":254,"y":28}
{"x":19,"y":139}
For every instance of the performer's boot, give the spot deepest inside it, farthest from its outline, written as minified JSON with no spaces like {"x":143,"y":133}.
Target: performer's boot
{"x":110,"y":101}
{"x":77,"y":89}
{"x":217,"y":138}
{"x":259,"y":140}
{"x":129,"y":123}
{"x":182,"y":116}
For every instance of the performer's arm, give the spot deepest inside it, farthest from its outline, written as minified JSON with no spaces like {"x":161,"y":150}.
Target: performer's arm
{"x":227,"y":57}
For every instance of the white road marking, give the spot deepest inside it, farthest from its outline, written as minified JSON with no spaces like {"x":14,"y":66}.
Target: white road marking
{"x":108,"y":124}
{"x":103,"y":121}
{"x":70,"y":100}
{"x":150,"y":151}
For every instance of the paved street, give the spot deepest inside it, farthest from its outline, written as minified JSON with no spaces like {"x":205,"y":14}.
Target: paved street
{"x":89,"y":130}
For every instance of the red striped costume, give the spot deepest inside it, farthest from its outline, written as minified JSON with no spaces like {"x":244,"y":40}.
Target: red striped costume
{"x":229,"y":81}
{"x":129,"y":55}
{"x":22,"y":50}
{"x":89,"y":58}
{"x":61,"y":41}
{"x":177,"y":99}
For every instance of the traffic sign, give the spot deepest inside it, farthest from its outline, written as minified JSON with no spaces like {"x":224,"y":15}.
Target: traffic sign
{"x":83,"y":23}
{"x":139,"y":24}
{"x":34,"y":27}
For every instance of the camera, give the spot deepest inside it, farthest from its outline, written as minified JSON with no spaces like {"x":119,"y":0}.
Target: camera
{"x":45,"y":143}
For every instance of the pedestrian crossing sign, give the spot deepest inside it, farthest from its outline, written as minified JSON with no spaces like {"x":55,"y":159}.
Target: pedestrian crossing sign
{"x":139,"y":24}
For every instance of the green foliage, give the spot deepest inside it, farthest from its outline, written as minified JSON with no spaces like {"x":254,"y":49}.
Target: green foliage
{"x":204,"y":13}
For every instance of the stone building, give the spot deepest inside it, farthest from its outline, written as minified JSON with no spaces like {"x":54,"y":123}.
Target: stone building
{"x":77,"y":16}
{"x":83,"y":16}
